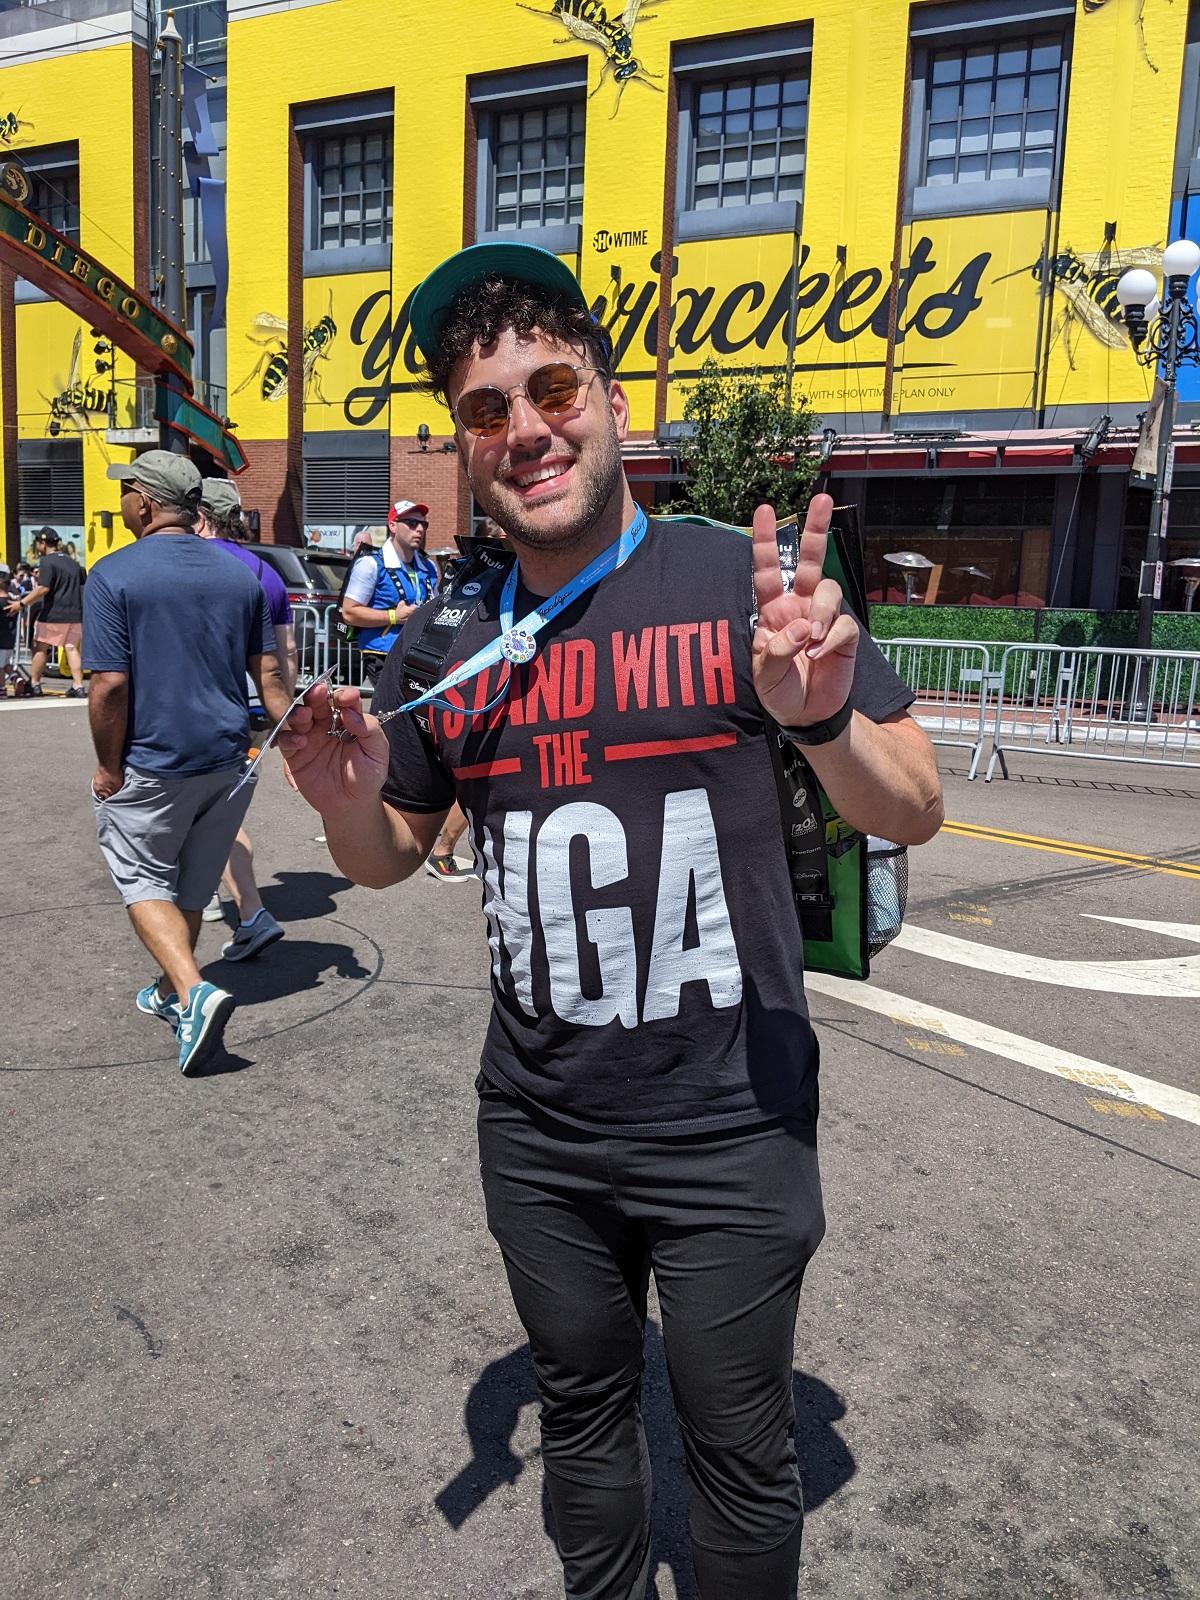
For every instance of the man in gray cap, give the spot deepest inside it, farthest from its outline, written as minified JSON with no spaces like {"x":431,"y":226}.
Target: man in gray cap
{"x":171,"y":627}
{"x":220,"y":519}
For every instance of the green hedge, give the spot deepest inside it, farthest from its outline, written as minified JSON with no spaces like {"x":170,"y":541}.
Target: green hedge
{"x":1173,"y":630}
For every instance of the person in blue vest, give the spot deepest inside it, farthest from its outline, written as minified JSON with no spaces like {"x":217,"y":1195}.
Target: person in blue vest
{"x":386,"y":586}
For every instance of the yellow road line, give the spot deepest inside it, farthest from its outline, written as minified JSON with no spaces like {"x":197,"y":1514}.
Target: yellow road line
{"x":1068,"y":847}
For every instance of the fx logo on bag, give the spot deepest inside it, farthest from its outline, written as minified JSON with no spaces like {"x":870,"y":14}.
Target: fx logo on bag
{"x":689,"y":867}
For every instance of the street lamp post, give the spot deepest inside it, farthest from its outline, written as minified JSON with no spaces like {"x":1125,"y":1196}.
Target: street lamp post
{"x":171,"y":268}
{"x":1165,"y":335}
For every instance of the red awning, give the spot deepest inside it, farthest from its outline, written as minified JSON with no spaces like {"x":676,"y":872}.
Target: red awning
{"x":964,"y":460}
{"x":1055,"y":455}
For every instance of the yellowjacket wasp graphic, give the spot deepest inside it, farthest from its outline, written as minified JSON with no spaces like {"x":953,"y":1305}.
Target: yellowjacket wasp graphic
{"x":1086,"y":285}
{"x":76,"y":400}
{"x":11,"y":125}
{"x":271,"y":332}
{"x":588,"y":21}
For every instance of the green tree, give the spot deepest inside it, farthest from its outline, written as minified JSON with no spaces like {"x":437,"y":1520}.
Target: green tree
{"x":748,"y":446}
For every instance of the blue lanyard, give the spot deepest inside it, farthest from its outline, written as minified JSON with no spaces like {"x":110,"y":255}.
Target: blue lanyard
{"x":518,"y":644}
{"x":417,"y":574}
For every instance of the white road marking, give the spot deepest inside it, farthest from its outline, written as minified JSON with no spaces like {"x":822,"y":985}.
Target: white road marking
{"x":996,"y":1041}
{"x":1174,"y":930}
{"x":1176,"y":977}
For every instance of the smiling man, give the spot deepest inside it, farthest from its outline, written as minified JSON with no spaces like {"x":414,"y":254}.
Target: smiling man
{"x":648,"y":1092}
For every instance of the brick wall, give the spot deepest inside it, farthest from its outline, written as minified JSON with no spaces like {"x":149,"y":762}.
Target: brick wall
{"x":264,"y":488}
{"x":434,"y":478}
{"x":431,"y":476}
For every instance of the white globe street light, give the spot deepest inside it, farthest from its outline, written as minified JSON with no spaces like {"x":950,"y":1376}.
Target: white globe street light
{"x":1165,"y":336}
{"x":1181,"y":259}
{"x":1137,"y":287}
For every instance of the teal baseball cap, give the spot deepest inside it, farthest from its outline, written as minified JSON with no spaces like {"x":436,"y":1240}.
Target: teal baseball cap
{"x":528,"y":263}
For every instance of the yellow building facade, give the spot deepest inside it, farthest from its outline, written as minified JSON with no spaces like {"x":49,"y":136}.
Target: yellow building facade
{"x":917,"y":211}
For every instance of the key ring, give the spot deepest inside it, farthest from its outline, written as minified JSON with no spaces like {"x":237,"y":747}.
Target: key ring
{"x":337,"y":729}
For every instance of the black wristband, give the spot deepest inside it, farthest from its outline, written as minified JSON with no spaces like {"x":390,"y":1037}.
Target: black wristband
{"x":821,"y":732}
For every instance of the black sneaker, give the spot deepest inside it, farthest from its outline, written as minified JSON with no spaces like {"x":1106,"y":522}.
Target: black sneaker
{"x":75,"y":694}
{"x":447,"y":870}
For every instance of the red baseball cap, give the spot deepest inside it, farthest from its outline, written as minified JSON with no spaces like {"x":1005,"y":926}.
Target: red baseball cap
{"x":403,"y":509}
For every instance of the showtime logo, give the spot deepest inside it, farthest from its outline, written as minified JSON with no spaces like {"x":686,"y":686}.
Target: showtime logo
{"x":603,"y":240}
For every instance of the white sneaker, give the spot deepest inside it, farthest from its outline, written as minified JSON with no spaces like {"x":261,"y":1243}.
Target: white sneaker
{"x":212,"y":911}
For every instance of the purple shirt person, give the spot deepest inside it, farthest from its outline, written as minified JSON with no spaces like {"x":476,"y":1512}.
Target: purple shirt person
{"x":220,"y":520}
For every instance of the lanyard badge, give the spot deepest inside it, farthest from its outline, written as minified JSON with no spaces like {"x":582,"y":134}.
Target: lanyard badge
{"x":517,"y":643}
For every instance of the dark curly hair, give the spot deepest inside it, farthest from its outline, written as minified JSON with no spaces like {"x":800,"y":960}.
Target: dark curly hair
{"x":227,"y":525}
{"x":480,"y":310}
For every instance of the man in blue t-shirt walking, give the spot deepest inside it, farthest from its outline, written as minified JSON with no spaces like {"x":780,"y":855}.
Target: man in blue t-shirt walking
{"x":171,"y":627}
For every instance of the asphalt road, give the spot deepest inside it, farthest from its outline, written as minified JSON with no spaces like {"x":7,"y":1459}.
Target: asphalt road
{"x":257,"y":1341}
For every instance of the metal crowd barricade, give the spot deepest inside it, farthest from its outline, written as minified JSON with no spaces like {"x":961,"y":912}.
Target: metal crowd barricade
{"x":954,"y":685}
{"x":320,"y":646}
{"x":309,"y":626}
{"x":23,"y":651}
{"x":347,"y":658}
{"x":1098,"y":704}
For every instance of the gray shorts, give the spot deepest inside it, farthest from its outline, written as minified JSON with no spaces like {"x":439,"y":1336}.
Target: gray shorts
{"x":169,"y":838}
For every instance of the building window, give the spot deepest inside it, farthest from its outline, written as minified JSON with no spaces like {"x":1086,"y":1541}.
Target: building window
{"x":54,"y":194}
{"x":993,"y":111}
{"x":537,"y":178}
{"x":987,"y":538}
{"x":50,"y":483}
{"x":748,"y":141}
{"x":1181,"y":544}
{"x":346,"y":487}
{"x":352,"y":172}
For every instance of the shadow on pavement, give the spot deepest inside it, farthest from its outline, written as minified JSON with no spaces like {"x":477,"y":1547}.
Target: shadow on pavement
{"x":296,"y":896}
{"x":506,"y":1386}
{"x":289,"y":967}
{"x":491,"y":1414}
{"x":221,"y":1065}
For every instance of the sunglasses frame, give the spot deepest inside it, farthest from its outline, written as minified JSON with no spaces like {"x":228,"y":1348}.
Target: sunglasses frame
{"x":522,"y":388}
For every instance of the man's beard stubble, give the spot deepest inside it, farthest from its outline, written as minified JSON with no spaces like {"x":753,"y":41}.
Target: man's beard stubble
{"x":598,"y":469}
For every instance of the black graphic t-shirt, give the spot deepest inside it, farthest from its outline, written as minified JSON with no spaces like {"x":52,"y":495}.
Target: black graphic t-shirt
{"x":64,"y":578}
{"x":646,"y":955}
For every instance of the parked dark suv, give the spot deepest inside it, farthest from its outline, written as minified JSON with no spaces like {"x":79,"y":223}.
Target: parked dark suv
{"x":313,"y":581}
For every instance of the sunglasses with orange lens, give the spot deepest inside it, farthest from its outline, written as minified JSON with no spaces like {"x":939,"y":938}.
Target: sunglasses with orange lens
{"x":553,"y":389}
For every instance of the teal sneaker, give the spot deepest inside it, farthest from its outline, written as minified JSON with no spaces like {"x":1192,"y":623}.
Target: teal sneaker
{"x":201,"y":1025}
{"x":151,"y":1002}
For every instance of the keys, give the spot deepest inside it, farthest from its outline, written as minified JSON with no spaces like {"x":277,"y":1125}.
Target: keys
{"x":337,"y":729}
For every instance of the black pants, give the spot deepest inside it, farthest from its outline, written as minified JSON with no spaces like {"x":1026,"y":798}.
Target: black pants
{"x":728,"y":1222}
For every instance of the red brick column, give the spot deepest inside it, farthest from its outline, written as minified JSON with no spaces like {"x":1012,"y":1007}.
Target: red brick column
{"x":433,"y":477}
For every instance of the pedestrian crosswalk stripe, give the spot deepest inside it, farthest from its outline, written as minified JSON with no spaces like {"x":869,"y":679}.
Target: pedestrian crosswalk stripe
{"x":1130,"y":1086}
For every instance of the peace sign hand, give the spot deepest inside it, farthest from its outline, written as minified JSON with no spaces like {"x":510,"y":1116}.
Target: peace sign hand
{"x":804,"y":647}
